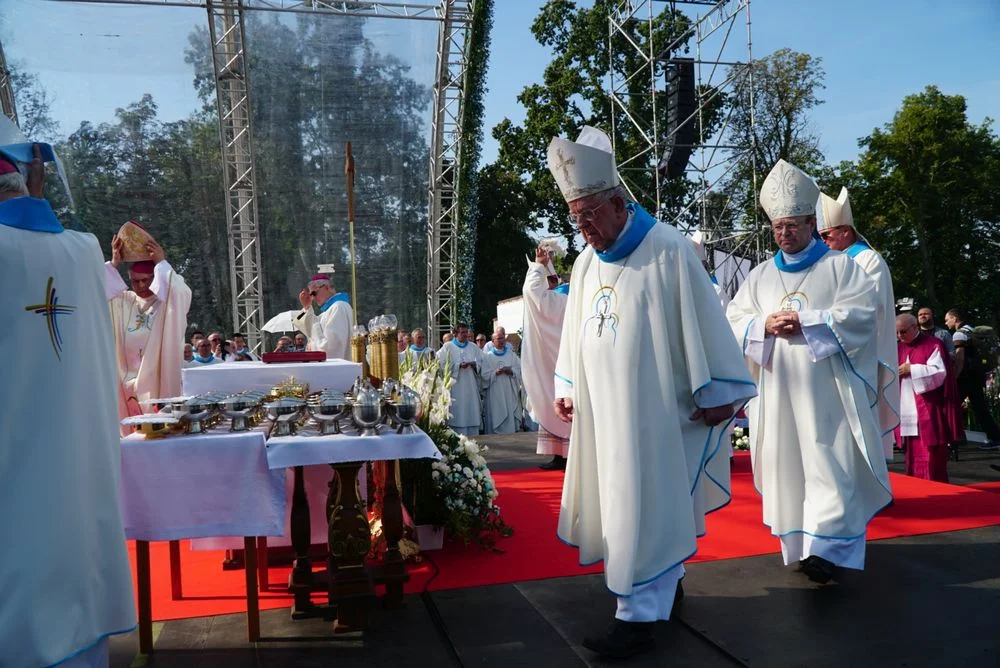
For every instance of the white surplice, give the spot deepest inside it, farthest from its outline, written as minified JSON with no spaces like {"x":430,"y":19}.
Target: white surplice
{"x":923,"y":378}
{"x":816,"y":444}
{"x":543,"y":320}
{"x":149,"y":337}
{"x":644,"y":344}
{"x":413,"y":356}
{"x":330,"y":331}
{"x":65,"y":581}
{"x":888,"y":385}
{"x":466,"y":405}
{"x":502,"y":403}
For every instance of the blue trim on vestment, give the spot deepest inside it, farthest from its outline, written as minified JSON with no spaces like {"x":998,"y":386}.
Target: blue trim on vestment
{"x":24,"y":152}
{"x":565,"y":380}
{"x":417,"y":350}
{"x":854,"y":249}
{"x":339,"y":297}
{"x":815,"y":253}
{"x":506,"y":347}
{"x":202,"y":360}
{"x":562,"y":289}
{"x":850,"y":364}
{"x":882,"y":394}
{"x":712,"y":278}
{"x":623,"y":246}
{"x":746,"y":333}
{"x":92,"y":645}
{"x":459,"y":343}
{"x":815,"y":535}
{"x":735,"y":381}
{"x":29,"y":213}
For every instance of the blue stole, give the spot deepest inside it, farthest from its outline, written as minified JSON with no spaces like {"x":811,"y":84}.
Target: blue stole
{"x":29,"y":213}
{"x":562,"y":289}
{"x":623,"y":246}
{"x":506,"y":347}
{"x":817,"y":251}
{"x":714,"y":280}
{"x":855,"y":248}
{"x":460,"y":345}
{"x":202,"y":360}
{"x":339,"y":297}
{"x":418,"y":351}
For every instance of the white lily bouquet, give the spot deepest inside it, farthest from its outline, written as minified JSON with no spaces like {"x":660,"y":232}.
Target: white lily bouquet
{"x":741,"y":439}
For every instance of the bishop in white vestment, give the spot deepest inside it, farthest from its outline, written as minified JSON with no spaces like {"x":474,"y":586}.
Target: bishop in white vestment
{"x":807,"y":320}
{"x":65,"y":583}
{"x":149,"y":321}
{"x":501,"y":378}
{"x":330,"y":331}
{"x":835,"y":224}
{"x":463,"y":360}
{"x":544,"y":307}
{"x":648,"y":374}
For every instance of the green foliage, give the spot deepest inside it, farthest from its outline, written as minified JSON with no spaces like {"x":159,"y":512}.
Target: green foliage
{"x":924,"y":192}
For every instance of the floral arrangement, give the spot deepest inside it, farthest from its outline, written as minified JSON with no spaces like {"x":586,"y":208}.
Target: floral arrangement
{"x":741,"y":439}
{"x":456,"y":492}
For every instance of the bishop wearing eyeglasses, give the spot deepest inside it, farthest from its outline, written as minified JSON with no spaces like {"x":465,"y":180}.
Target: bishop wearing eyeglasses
{"x":806,"y":321}
{"x":330,"y":330}
{"x":648,"y":373}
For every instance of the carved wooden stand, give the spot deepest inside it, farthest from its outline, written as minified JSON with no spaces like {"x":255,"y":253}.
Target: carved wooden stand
{"x":347,"y":579}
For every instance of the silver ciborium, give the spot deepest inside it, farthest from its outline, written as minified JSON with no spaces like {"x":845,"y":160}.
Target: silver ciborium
{"x":284,"y":414}
{"x":405,"y":410}
{"x":199,"y":413}
{"x":328,"y":409}
{"x":240,"y":409}
{"x":367,"y":410}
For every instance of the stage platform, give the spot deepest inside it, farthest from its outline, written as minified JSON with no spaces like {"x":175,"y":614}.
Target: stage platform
{"x":927,"y":600}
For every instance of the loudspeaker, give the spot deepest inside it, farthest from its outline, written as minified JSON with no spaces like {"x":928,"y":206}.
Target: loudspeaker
{"x":681,"y":105}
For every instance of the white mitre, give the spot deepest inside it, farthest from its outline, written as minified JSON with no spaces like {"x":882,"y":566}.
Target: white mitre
{"x":698,"y":241}
{"x":583,"y":167}
{"x":14,"y":146}
{"x":788,"y":191}
{"x":833,"y":212}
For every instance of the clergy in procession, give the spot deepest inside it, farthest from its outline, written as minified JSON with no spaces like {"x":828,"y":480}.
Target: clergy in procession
{"x":927,"y":420}
{"x":501,"y":380}
{"x":64,"y":571}
{"x":807,"y":322}
{"x":416,"y":352}
{"x":330,"y":330}
{"x":203,"y":355}
{"x":544,"y":307}
{"x":463,"y":360}
{"x":835,"y":224}
{"x":648,"y":373}
{"x":149,"y":319}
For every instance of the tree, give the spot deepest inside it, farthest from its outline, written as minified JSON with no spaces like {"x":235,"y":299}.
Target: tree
{"x":924,"y":192}
{"x":34,"y":106}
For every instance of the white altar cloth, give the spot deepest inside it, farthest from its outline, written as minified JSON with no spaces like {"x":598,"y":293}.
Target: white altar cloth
{"x":308,"y":447}
{"x":200,"y":485}
{"x":235,"y":377}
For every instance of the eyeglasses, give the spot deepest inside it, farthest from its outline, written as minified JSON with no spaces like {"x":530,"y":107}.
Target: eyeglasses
{"x":312,"y":293}
{"x":791,"y":227}
{"x":584,"y":220}
{"x":826,"y":234}
{"x":480,"y":338}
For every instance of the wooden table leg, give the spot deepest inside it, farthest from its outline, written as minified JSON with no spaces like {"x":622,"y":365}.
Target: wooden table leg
{"x":175,"y":570}
{"x":145,"y":597}
{"x":350,"y":585}
{"x":301,"y":579}
{"x":263,"y":574}
{"x":392,"y":528}
{"x":253,"y":604}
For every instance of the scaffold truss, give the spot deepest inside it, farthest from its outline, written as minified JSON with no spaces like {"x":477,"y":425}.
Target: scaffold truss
{"x":7,"y":105}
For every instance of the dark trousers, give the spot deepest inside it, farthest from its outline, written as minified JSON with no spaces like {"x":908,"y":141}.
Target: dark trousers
{"x":977,"y":404}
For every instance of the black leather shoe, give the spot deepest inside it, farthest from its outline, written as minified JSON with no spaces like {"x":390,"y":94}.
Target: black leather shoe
{"x":623,"y":640}
{"x":557,"y":464}
{"x":818,"y":569}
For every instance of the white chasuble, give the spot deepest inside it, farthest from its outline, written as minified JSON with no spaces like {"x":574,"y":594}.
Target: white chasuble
{"x":543,"y":319}
{"x":149,"y":337}
{"x":466,"y":405}
{"x":330,"y":331}
{"x":503,"y":408}
{"x":816,"y":444}
{"x":64,"y":571}
{"x":888,"y":385}
{"x":644,"y":344}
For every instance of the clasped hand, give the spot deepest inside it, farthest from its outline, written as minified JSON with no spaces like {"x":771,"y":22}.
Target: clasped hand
{"x":783,"y":324}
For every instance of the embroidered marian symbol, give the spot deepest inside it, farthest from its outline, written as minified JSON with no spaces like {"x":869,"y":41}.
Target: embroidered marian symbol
{"x":604,"y":311}
{"x":794,"y":301}
{"x":51,"y":309}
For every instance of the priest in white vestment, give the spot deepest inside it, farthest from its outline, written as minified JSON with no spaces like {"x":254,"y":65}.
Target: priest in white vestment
{"x":463,"y":360}
{"x":64,"y":571}
{"x":648,"y":374}
{"x":330,"y":331}
{"x":835,"y":224}
{"x":149,"y":321}
{"x":417,"y":353}
{"x":202,"y":356}
{"x":501,"y":379}
{"x":807,"y":322}
{"x":544,"y":307}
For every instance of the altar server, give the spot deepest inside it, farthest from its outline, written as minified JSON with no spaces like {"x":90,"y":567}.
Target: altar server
{"x":806,"y":320}
{"x":149,"y":321}
{"x":501,"y":380}
{"x":330,"y":331}
{"x":647,"y":372}
{"x":64,"y":572}
{"x":835,"y":224}
{"x":463,"y":361}
{"x":544,"y":307}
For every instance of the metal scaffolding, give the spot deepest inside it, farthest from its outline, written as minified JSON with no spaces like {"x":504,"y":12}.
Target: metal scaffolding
{"x":6,"y":90}
{"x":709,"y":37}
{"x":445,"y":167}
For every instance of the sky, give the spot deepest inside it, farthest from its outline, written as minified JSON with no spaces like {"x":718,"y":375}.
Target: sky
{"x":96,"y":58}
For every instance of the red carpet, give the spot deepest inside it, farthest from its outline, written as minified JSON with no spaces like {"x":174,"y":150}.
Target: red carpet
{"x":530,"y":503}
{"x":987,"y":486}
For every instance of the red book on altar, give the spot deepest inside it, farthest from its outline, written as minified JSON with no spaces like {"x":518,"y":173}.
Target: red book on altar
{"x":311,"y":356}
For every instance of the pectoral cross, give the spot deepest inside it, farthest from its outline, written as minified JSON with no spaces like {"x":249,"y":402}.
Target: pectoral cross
{"x":564,"y":164}
{"x":600,"y":325}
